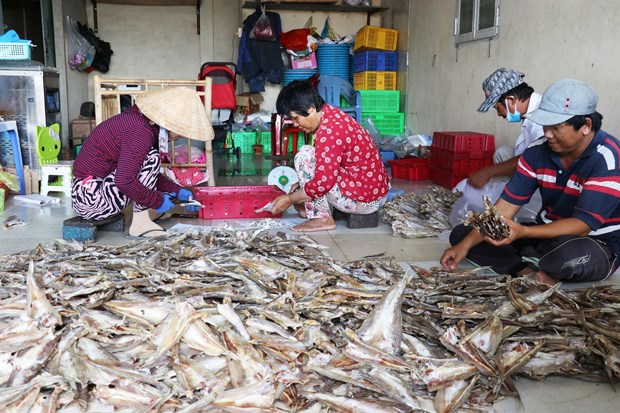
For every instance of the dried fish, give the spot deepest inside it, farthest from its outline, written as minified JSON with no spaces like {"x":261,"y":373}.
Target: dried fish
{"x":415,"y":216}
{"x":489,"y":223}
{"x":227,"y":321}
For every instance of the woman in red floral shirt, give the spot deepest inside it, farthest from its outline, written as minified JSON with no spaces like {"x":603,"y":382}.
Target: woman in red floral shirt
{"x":343,"y":169}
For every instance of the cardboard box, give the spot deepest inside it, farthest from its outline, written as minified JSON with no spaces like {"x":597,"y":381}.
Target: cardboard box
{"x":82,"y":127}
{"x":308,"y":62}
{"x":249,"y":103}
{"x":31,"y":179}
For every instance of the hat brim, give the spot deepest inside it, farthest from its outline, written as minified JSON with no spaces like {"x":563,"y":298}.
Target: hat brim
{"x":488,"y":103}
{"x":546,"y":118}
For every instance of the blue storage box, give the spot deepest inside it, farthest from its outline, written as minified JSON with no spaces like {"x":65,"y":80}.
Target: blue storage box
{"x":375,"y":61}
{"x":387,"y":156}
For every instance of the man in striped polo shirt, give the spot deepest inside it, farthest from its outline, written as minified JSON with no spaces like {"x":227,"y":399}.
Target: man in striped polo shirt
{"x":575,"y":236}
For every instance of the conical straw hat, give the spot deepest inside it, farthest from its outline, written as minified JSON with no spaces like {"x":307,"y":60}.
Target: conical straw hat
{"x":177,"y":109}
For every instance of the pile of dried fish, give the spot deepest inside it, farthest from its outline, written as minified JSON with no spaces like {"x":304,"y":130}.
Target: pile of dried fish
{"x":414,"y":216}
{"x":489,"y":222}
{"x":237,"y":322}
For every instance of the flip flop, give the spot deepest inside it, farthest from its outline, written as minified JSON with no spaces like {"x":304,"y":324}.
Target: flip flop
{"x":143,"y":235}
{"x":163,"y":216}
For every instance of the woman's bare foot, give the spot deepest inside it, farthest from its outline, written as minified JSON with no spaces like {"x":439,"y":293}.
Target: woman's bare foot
{"x":301,"y":209}
{"x":316,"y":224}
{"x":543,"y":278}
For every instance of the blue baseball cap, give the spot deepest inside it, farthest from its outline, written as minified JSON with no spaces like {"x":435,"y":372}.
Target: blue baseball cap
{"x":563,"y":100}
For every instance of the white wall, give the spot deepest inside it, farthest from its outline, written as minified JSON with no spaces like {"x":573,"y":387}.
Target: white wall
{"x":547,"y":40}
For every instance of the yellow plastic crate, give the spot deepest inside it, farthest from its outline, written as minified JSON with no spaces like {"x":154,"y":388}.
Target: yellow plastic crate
{"x":375,"y":38}
{"x":374,"y":80}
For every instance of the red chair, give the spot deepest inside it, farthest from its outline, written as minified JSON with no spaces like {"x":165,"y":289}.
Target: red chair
{"x":281,"y":128}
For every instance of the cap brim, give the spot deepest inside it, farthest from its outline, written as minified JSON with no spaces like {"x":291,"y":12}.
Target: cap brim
{"x":545,"y":118}
{"x":488,"y":103}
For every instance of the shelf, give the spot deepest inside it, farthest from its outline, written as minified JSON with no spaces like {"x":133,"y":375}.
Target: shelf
{"x":369,"y":10}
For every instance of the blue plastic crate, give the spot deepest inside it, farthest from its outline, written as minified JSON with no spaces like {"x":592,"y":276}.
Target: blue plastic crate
{"x":375,"y":61}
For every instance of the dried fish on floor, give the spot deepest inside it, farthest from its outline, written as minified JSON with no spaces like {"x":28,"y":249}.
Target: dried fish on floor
{"x":14,"y":222}
{"x":228,"y":321}
{"x":414,"y":216}
{"x":489,"y":223}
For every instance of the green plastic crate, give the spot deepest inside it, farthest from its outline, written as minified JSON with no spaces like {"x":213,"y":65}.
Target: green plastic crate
{"x":265,"y":140}
{"x":387,"y":123}
{"x":244,"y":141}
{"x":380,"y":100}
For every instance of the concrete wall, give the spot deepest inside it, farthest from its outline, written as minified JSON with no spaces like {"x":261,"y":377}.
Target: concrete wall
{"x":161,"y":42}
{"x":73,"y":84}
{"x":547,"y":40}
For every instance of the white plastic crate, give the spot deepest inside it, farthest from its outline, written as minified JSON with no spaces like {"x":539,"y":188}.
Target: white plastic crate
{"x":15,"y":51}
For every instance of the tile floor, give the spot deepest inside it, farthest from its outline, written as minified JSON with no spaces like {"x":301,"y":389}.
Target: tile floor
{"x":555,"y":394}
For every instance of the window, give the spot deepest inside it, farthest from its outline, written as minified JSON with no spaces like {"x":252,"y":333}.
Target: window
{"x":476,"y":19}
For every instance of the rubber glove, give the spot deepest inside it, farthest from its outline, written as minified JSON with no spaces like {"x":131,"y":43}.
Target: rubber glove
{"x":187,"y":195}
{"x":167,"y":204}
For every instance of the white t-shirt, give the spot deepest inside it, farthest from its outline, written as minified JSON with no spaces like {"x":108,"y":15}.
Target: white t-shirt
{"x":530,"y":131}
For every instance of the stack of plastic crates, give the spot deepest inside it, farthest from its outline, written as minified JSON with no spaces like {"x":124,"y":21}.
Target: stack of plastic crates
{"x":374,"y":58}
{"x":456,"y":155}
{"x":374,"y":66}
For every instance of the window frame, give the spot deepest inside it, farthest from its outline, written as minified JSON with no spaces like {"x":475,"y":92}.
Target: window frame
{"x":475,"y":34}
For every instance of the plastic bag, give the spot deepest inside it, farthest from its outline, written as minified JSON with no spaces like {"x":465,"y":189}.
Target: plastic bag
{"x":9,"y":180}
{"x":296,"y":39}
{"x":472,"y":198}
{"x":263,"y":30}
{"x":81,"y":52}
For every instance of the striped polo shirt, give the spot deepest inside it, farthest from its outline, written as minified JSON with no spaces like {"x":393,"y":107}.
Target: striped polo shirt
{"x":122,"y":143}
{"x":588,"y":190}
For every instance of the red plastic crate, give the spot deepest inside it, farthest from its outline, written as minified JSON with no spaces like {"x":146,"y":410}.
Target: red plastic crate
{"x":445,"y":178}
{"x":413,"y":169}
{"x":470,"y":142}
{"x":444,"y":159}
{"x":233,"y":202}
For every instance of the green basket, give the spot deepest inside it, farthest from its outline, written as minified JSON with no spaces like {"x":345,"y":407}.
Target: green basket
{"x":380,"y":100}
{"x":387,"y":123}
{"x":265,"y":140}
{"x":244,"y":141}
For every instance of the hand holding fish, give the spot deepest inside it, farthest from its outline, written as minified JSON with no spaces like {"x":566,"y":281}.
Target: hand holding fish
{"x":515,"y":231}
{"x":280,"y":204}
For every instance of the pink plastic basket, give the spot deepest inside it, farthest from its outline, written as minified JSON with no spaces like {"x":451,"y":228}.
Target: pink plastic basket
{"x":233,"y":202}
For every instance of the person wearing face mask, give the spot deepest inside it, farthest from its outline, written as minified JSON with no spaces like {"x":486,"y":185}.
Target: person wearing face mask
{"x":512,"y":98}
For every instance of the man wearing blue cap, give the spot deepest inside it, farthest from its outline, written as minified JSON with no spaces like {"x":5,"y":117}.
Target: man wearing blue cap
{"x":576,"y":234}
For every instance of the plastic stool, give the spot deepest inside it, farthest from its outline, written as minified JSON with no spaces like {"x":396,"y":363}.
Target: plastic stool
{"x":355,"y":221}
{"x":82,"y":230}
{"x":61,"y":169}
{"x":294,"y":132}
{"x":281,"y":128}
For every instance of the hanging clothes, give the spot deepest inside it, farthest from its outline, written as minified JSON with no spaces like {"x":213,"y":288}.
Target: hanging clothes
{"x":260,"y":61}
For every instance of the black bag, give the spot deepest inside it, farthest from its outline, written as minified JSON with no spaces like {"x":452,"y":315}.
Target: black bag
{"x":263,"y":30}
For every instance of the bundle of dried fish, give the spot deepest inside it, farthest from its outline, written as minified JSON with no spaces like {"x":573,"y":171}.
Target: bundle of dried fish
{"x":489,"y":223}
{"x":229,"y":321}
{"x":414,"y":216}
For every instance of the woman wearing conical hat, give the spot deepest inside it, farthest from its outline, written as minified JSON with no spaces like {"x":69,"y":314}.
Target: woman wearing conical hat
{"x":120,"y":163}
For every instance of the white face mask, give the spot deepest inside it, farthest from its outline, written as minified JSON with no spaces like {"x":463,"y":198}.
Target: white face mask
{"x":512,"y":117}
